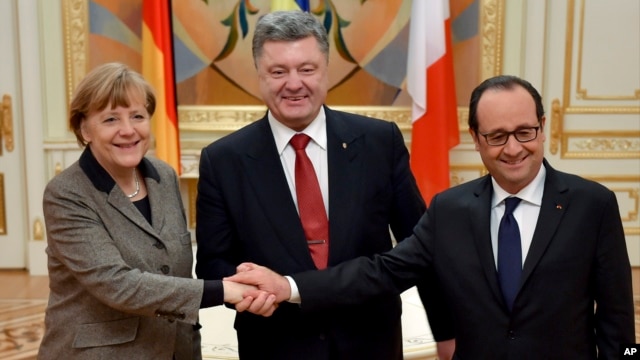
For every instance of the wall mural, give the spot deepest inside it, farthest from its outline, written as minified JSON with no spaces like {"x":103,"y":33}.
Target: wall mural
{"x":368,"y":55}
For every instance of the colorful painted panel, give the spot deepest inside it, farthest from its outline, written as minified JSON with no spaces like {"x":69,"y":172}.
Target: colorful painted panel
{"x":212,"y":42}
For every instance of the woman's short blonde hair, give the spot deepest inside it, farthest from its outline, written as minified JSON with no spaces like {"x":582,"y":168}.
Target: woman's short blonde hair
{"x":111,"y":84}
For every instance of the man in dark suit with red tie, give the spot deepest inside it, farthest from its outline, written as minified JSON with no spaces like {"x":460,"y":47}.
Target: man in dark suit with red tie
{"x":532,"y":260}
{"x":307,"y":187}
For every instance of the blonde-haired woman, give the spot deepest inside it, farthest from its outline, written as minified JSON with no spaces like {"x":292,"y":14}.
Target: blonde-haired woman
{"x":119,"y":251}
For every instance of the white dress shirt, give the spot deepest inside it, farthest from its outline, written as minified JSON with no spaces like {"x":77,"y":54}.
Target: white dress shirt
{"x":317,"y":153}
{"x":526,"y":213}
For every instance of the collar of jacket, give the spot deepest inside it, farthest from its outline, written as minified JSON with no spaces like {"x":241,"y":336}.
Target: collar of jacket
{"x":101,"y":178}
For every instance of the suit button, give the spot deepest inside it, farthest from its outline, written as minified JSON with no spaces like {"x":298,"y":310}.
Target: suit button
{"x":165,"y":269}
{"x":159,"y":245}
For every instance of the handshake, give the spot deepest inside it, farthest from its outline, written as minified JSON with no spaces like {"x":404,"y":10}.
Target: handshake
{"x":256,"y":289}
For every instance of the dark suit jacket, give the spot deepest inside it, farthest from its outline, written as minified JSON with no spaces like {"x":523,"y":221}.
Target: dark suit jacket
{"x":245,"y":212}
{"x":577,"y":259}
{"x":121,"y":288}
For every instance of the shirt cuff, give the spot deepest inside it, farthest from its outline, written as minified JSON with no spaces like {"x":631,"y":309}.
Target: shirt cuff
{"x":295,"y":295}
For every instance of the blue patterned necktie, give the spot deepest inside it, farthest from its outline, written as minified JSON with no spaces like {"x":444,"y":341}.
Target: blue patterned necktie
{"x":509,"y":253}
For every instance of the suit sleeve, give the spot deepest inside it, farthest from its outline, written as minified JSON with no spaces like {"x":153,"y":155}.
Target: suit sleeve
{"x":363,"y":278}
{"x":613,"y":291}
{"x":408,"y":207}
{"x":216,"y":254}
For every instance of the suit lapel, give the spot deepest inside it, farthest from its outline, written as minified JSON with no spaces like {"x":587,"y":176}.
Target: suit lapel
{"x":555,"y":200}
{"x":155,"y":192}
{"x":480,"y":218}
{"x":263,"y":163}
{"x":102,"y":181}
{"x":343,"y":150}
{"x":128,"y":210}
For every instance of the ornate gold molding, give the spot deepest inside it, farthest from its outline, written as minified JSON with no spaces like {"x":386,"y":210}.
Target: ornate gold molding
{"x":229,"y":118}
{"x":582,"y":93}
{"x":601,"y":145}
{"x":457,"y":176}
{"x":556,"y":126}
{"x":615,"y":110}
{"x":192,"y":190}
{"x":7,"y":132}
{"x":633,"y":195}
{"x":75,"y":20}
{"x":3,"y":213}
{"x":38,"y":230}
{"x":560,"y":138}
{"x":593,"y":144}
{"x":491,"y":30}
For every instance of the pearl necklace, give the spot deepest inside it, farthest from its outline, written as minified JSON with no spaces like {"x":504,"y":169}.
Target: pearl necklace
{"x":135,"y":176}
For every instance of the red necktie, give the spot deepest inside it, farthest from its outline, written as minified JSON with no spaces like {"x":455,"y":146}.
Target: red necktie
{"x":310,"y":205}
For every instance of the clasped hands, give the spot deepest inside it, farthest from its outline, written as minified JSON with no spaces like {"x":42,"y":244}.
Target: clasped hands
{"x":256,"y":289}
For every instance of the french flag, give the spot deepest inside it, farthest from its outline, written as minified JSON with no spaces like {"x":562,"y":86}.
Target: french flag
{"x":430,"y":82}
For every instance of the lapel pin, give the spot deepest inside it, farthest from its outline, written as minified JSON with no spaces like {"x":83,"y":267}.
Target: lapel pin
{"x":559,"y":207}
{"x":344,"y":145}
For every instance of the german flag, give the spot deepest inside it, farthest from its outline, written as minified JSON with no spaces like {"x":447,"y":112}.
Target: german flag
{"x":158,"y":70}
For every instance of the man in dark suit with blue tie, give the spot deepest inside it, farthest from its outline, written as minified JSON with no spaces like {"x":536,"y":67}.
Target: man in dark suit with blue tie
{"x":255,"y":204}
{"x":532,"y":260}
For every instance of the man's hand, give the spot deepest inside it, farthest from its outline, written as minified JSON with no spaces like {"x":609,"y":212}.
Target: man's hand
{"x":446,"y":349}
{"x":264,"y":279}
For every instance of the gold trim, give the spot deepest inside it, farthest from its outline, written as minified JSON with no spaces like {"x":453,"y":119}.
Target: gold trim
{"x":559,"y":137}
{"x":632,"y":215}
{"x":560,"y":109}
{"x":75,"y":20}
{"x":602,"y":145}
{"x":3,"y":218}
{"x":633,"y":194}
{"x":192,"y":190}
{"x":568,"y":55}
{"x":38,"y":230}
{"x":613,"y":178}
{"x":581,"y":93}
{"x":229,"y":118}
{"x":491,"y":25}
{"x":6,"y":123}
{"x":617,"y":110}
{"x":192,"y":167}
{"x":454,"y":173}
{"x":556,"y":126}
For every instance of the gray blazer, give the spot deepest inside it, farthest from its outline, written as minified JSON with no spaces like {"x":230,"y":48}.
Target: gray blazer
{"x":120,"y":286}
